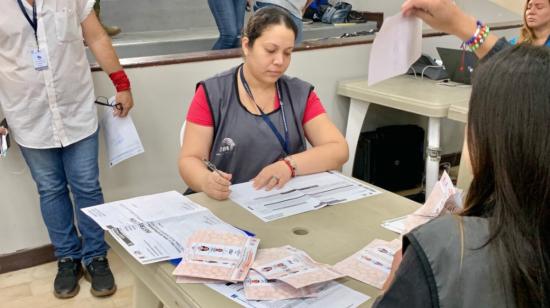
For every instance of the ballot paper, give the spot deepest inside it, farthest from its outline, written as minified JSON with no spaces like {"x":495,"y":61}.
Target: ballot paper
{"x":396,"y":47}
{"x":292,"y":266}
{"x":211,"y":254}
{"x":396,"y":225}
{"x":301,"y":194}
{"x":444,"y":198}
{"x":372,"y":264}
{"x":154,"y":228}
{"x":257,"y":287}
{"x":121,"y":137}
{"x":331,"y":294}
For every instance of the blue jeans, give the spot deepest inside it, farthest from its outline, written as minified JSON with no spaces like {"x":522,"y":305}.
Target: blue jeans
{"x":229,"y":16}
{"x":54,"y":172}
{"x":297,"y":21}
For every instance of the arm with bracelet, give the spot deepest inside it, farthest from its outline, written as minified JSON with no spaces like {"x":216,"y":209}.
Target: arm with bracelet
{"x":100,"y":44}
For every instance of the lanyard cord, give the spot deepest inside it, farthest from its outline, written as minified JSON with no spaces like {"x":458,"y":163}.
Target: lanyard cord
{"x":34,"y":21}
{"x":267,"y":120}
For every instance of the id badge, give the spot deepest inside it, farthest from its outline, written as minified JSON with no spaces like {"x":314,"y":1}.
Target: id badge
{"x":39,"y":60}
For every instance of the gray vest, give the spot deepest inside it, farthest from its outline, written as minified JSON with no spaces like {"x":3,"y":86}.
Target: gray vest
{"x":243,"y":143}
{"x":476,"y":284}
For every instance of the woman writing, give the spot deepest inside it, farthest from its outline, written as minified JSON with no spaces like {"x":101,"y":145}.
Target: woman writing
{"x":252,"y":121}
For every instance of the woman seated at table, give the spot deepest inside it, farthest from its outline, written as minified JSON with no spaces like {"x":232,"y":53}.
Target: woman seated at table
{"x":496,"y":252}
{"x":536,"y":23}
{"x":252,"y":121}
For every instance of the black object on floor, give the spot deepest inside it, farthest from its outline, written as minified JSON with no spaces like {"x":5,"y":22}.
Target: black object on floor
{"x":391,"y":157}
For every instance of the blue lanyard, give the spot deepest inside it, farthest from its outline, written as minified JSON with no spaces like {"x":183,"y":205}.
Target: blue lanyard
{"x":265,"y":117}
{"x":33,"y":22}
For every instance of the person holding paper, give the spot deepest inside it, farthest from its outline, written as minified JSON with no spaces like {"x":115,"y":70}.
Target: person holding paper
{"x":252,"y":122}
{"x":47,"y":96}
{"x":496,"y":252}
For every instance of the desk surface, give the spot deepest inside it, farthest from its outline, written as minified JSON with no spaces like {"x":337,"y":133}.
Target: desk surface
{"x":333,"y":233}
{"x":459,"y":112}
{"x":407,"y":93}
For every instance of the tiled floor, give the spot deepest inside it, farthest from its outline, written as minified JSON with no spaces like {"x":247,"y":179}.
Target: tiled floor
{"x":33,"y":288}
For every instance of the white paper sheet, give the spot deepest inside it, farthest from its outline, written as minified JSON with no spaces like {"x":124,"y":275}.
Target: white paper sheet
{"x":396,"y":47}
{"x":154,"y":228}
{"x":120,"y":135}
{"x":332,"y":294}
{"x":396,"y":225}
{"x":299,"y":195}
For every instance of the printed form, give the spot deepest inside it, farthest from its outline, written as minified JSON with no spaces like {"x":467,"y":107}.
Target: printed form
{"x":154,"y":228}
{"x":301,"y":194}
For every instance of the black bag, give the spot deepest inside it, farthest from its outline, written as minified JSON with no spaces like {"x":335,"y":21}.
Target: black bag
{"x":391,"y":157}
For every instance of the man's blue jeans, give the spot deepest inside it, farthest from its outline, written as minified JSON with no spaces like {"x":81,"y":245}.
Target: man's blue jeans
{"x":297,"y":21}
{"x":229,"y":16}
{"x":54,"y":172}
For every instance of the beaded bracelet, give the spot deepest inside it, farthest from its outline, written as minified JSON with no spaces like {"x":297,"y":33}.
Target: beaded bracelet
{"x":478,"y":38}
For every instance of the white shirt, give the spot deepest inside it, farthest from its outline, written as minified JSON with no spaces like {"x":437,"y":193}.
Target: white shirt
{"x":53,"y":107}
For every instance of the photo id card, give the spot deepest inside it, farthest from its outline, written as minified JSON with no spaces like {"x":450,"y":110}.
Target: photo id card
{"x":39,"y":60}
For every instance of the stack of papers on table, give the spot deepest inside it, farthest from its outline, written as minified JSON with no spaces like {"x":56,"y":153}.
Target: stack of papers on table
{"x":217,"y":255}
{"x":372,"y":264}
{"x":154,"y":228}
{"x":301,"y":194}
{"x":445,"y":198}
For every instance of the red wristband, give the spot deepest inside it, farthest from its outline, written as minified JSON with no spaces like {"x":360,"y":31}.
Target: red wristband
{"x":120,"y":80}
{"x":292,"y":172}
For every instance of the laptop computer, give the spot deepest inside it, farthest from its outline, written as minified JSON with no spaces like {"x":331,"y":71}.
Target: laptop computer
{"x":458,"y":68}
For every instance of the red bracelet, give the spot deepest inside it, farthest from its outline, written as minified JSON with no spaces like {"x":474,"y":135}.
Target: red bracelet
{"x":120,"y":80}
{"x":292,"y":172}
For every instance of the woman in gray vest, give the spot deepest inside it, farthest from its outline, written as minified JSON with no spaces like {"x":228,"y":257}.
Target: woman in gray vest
{"x":252,"y":121}
{"x":496,"y":253}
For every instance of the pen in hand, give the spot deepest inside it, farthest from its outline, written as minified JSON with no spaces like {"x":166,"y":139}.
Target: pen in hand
{"x":212,"y":167}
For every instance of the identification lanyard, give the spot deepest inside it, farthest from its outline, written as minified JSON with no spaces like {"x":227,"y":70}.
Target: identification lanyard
{"x":33,"y":22}
{"x":265,"y":117}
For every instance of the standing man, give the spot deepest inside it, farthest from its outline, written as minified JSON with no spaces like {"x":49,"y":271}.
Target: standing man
{"x":47,"y":96}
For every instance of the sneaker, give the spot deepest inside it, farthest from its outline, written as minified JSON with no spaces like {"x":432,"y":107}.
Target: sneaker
{"x":100,"y":276}
{"x":69,"y":271}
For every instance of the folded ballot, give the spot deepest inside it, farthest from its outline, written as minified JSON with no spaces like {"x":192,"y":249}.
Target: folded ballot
{"x":217,"y":255}
{"x":292,"y":266}
{"x":372,"y":264}
{"x":257,"y":287}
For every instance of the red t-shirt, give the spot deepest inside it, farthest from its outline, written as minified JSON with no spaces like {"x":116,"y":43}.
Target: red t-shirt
{"x":199,"y":111}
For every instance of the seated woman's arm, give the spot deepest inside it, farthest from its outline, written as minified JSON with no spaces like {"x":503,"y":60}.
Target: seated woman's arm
{"x":329,"y":152}
{"x":196,"y":146}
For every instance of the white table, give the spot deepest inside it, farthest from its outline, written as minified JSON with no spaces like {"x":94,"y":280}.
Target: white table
{"x":328,"y":235}
{"x":407,"y":93}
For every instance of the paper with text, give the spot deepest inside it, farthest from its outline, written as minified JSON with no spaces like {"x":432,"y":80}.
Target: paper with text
{"x":154,"y":228}
{"x":301,"y":194}
{"x":331,"y":294}
{"x":396,"y":47}
{"x":218,"y":255}
{"x":257,"y":287}
{"x":121,"y":137}
{"x":372,"y":264}
{"x":292,"y":266}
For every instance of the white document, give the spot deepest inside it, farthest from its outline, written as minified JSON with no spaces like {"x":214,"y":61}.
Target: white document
{"x":396,"y":47}
{"x":301,"y":194}
{"x":396,"y":225}
{"x":332,"y":294}
{"x":154,"y":228}
{"x":121,"y":137}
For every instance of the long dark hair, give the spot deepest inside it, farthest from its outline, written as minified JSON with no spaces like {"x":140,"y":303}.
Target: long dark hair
{"x":509,"y":142}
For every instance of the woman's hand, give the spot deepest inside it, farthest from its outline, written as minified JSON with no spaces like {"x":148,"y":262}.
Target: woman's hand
{"x":394,"y":266}
{"x":274,"y":175}
{"x":216,"y":186}
{"x":3,"y":131}
{"x":443,"y":15}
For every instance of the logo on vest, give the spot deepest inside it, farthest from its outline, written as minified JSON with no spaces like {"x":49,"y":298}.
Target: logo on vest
{"x":227,"y":146}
